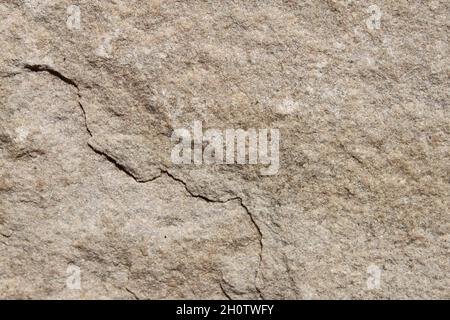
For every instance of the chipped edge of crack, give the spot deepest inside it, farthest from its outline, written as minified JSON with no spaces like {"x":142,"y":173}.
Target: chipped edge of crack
{"x":46,"y":68}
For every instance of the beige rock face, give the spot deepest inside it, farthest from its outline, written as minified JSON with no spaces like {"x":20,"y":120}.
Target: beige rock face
{"x":92,"y":205}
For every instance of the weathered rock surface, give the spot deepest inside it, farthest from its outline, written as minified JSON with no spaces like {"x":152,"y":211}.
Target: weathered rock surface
{"x":359,"y":207}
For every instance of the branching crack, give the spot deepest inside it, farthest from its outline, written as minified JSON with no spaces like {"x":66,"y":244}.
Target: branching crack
{"x":241,"y":202}
{"x":198,"y":196}
{"x":121,"y":167}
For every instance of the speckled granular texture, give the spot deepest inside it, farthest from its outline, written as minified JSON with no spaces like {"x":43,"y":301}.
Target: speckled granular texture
{"x":359,"y":207}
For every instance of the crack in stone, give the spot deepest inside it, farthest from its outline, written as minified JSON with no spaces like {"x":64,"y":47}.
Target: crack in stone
{"x":7,"y":236}
{"x":224,"y":291}
{"x":67,"y":80}
{"x":53,"y":72}
{"x":247,"y":210}
{"x":84,"y":115}
{"x":118,"y":165}
{"x":132,"y":293}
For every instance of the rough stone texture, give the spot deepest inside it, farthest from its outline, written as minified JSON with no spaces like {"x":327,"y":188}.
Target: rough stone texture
{"x":86,"y":179}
